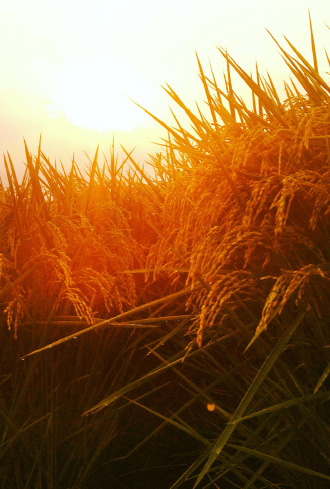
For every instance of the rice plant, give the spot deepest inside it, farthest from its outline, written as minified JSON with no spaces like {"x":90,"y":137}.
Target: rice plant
{"x":202,"y":291}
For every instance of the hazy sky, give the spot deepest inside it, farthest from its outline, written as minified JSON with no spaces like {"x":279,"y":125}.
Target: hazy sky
{"x":68,"y":66}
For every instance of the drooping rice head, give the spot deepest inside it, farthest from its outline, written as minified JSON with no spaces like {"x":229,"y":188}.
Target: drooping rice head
{"x":249,"y":216}
{"x":66,"y":241}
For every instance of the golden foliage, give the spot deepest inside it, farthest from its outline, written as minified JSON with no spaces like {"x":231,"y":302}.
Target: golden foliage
{"x":253,"y":206}
{"x":238,"y":209}
{"x":61,"y":259}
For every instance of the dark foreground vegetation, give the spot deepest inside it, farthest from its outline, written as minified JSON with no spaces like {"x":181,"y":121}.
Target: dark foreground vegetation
{"x":171,"y":328}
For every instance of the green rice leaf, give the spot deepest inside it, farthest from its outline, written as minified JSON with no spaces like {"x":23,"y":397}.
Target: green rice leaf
{"x":323,"y":378}
{"x":279,"y":461}
{"x":260,"y":377}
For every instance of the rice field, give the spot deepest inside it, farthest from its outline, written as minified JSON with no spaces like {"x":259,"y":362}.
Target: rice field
{"x":171,"y":328}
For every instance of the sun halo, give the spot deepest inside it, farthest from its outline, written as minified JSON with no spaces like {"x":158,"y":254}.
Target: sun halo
{"x":96,"y":94}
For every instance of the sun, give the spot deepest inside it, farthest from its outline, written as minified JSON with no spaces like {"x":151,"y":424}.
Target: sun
{"x":95,"y":94}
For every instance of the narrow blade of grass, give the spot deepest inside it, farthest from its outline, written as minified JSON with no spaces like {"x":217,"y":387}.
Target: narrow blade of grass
{"x":157,"y":302}
{"x":323,"y":378}
{"x":279,"y":461}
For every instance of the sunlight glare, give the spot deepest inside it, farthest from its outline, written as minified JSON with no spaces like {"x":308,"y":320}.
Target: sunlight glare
{"x":96,"y":94}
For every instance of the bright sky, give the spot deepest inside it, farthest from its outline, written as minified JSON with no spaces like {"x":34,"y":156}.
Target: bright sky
{"x":69,"y":66}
